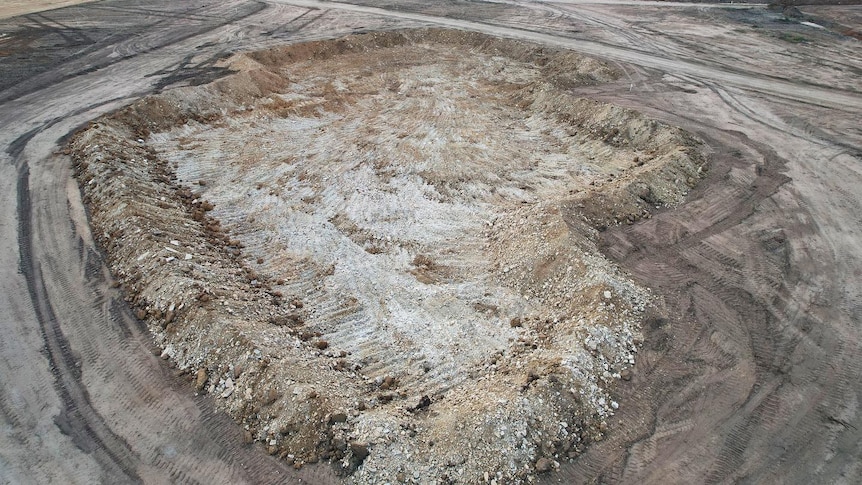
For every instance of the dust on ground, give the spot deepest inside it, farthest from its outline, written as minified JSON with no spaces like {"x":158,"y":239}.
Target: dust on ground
{"x":394,"y":267}
{"x":12,"y":8}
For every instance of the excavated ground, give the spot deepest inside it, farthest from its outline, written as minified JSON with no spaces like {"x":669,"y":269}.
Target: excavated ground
{"x":380,"y":250}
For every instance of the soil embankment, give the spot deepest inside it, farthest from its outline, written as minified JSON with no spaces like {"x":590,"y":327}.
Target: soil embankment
{"x":393,"y":268}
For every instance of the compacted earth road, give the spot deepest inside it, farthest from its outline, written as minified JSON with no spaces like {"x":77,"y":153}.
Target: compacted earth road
{"x":750,"y":371}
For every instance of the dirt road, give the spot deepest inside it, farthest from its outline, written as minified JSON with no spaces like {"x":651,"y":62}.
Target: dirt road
{"x":13,"y":8}
{"x":754,"y":376}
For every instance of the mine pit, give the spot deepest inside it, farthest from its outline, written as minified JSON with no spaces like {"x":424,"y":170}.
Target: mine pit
{"x":380,"y":250}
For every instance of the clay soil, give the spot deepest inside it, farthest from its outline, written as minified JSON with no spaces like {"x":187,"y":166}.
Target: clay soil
{"x":738,"y":299}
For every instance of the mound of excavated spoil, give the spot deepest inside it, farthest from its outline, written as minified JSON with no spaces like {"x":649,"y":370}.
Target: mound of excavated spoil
{"x":377,"y":250}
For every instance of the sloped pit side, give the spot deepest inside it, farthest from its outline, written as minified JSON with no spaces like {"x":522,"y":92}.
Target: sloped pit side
{"x":376,"y":250}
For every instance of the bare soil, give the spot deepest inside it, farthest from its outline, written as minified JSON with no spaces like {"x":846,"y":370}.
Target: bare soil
{"x":12,"y":8}
{"x":749,"y":375}
{"x":379,"y":250}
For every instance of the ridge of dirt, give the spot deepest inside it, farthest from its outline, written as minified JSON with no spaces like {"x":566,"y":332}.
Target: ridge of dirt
{"x":432,"y":343}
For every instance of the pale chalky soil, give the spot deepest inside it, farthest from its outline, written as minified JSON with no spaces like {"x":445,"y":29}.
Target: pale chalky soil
{"x":416,"y":281}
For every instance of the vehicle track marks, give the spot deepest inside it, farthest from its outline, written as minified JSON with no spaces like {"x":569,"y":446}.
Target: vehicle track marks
{"x":77,"y":419}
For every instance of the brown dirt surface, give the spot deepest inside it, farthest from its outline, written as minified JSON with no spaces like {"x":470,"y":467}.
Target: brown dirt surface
{"x":352,"y":269}
{"x":749,"y":366}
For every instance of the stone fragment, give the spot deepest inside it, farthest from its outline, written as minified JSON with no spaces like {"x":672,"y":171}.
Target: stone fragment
{"x":359,"y":450}
{"x":338,"y":417}
{"x":201,"y":379}
{"x":544,"y":465}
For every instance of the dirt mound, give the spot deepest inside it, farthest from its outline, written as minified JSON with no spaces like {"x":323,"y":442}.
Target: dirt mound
{"x":379,"y":250}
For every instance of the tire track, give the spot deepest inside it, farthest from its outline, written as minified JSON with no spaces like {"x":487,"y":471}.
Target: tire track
{"x":755,"y":290}
{"x":135,"y":42}
{"x":836,"y":99}
{"x":806,"y":315}
{"x":78,"y":419}
{"x":202,"y":445}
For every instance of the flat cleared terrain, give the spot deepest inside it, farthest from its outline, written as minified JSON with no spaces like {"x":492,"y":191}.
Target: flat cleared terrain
{"x":749,"y":371}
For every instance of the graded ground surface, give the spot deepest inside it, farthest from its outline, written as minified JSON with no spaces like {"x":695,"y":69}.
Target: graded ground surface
{"x":753,"y":375}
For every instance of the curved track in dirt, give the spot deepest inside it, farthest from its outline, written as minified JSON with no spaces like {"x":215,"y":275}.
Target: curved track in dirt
{"x":752,"y":376}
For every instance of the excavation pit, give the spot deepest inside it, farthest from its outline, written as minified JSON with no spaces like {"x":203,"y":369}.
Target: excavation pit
{"x":378,"y":250}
